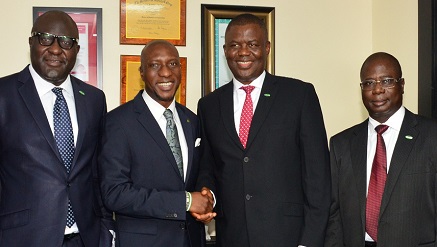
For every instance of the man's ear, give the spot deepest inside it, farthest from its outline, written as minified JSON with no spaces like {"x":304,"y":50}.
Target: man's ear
{"x":402,"y":85}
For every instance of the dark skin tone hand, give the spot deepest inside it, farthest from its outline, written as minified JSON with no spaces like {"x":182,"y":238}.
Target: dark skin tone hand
{"x":202,"y":205}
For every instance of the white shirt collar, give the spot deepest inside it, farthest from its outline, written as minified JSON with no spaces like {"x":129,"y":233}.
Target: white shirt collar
{"x":394,"y":122}
{"x":155,"y":108}
{"x":257,"y":83}
{"x":43,"y":86}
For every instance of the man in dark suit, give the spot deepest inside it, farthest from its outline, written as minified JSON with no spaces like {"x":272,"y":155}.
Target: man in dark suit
{"x":405,"y":213}
{"x":149,"y":161}
{"x":40,"y":186}
{"x":270,"y":175}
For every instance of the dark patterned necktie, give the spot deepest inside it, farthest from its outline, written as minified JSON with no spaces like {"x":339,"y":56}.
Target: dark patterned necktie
{"x":64,"y":138}
{"x":173,"y":140}
{"x":246,"y":115}
{"x":376,"y":184}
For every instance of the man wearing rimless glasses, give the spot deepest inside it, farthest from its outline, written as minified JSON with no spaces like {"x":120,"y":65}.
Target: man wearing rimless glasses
{"x":50,"y":124}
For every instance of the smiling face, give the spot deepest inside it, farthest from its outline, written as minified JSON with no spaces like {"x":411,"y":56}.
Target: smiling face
{"x":246,"y":49}
{"x":382,"y":103}
{"x":52,"y":62}
{"x":161,"y":71}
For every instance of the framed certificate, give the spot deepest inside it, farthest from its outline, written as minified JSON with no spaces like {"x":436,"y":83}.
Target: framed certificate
{"x":144,"y":20}
{"x":131,"y":82}
{"x":88,"y":66}
{"x":215,"y":19}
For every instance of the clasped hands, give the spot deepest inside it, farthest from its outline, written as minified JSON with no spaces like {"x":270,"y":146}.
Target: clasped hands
{"x":202,"y":205}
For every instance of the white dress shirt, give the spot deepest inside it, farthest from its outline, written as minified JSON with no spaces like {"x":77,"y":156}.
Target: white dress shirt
{"x":390,"y":137}
{"x":157,"y":111}
{"x":240,"y":97}
{"x":48,"y":98}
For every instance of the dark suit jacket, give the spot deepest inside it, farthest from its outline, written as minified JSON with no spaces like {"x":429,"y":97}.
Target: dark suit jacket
{"x":35,"y":186}
{"x":277,"y":191}
{"x":408,"y":207}
{"x":141,"y":182}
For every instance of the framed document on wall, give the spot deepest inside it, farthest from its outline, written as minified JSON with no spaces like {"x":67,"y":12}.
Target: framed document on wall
{"x":88,"y":66}
{"x":215,"y":19}
{"x":144,"y":20}
{"x":131,"y":82}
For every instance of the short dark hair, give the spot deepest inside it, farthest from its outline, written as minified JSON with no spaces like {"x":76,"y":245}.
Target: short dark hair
{"x":245,"y":19}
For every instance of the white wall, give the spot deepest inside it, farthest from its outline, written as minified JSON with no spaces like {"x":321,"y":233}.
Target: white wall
{"x":323,"y":42}
{"x":395,"y":29}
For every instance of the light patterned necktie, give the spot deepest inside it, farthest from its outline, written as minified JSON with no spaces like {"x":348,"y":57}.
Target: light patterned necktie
{"x":376,"y":184}
{"x":173,"y":140}
{"x":246,"y":115}
{"x":64,"y":138}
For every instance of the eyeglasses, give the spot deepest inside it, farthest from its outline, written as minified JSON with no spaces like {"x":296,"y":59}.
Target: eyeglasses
{"x":386,"y":83}
{"x":47,"y":39}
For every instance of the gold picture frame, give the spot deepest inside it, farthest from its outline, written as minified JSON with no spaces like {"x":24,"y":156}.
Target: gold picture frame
{"x":131,"y":82}
{"x":214,"y":19}
{"x":144,"y":21}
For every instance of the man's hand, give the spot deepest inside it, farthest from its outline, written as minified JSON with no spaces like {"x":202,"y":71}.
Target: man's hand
{"x":202,"y":205}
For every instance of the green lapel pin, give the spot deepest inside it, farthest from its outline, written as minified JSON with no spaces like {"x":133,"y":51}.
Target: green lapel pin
{"x":81,"y":92}
{"x":188,"y":120}
{"x":409,"y":137}
{"x":267,"y":94}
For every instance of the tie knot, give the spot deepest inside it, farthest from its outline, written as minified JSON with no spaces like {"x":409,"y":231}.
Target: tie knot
{"x":248,"y":89}
{"x":168,"y":114}
{"x":57,"y":91}
{"x":381,"y":129}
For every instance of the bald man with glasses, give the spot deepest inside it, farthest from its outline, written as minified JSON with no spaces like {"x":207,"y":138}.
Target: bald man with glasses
{"x":50,"y":124}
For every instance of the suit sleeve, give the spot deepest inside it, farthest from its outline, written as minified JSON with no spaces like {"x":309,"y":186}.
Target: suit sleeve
{"x":119,"y":192}
{"x":206,"y":170}
{"x":315,"y":171}
{"x":107,"y":222}
{"x":334,"y":232}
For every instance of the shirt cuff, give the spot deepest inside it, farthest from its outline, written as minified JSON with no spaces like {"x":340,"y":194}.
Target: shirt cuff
{"x":213,"y":196}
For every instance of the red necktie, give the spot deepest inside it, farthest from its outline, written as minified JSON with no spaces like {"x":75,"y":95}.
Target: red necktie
{"x":376,"y":184}
{"x":246,"y":115}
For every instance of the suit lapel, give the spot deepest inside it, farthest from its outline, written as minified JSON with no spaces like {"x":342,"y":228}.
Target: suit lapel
{"x":146,"y":119}
{"x":31,"y":99}
{"x":188,"y":132}
{"x":82,"y":120}
{"x":401,"y":152}
{"x":265,"y":102}
{"x":226,"y":100}
{"x":358,"y":152}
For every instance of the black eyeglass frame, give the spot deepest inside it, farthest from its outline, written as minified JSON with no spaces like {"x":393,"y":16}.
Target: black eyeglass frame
{"x":57,"y":37}
{"x":374,"y":82}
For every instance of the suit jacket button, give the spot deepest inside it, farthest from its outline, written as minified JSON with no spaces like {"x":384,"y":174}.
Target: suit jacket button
{"x":248,"y":197}
{"x":182,"y":226}
{"x":246,"y":159}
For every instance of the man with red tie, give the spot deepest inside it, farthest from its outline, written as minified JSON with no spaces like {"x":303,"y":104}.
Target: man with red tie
{"x":264,"y":150}
{"x":384,"y":169}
